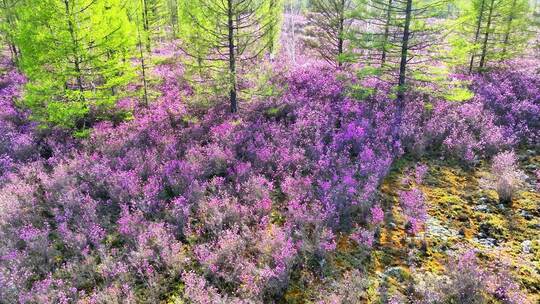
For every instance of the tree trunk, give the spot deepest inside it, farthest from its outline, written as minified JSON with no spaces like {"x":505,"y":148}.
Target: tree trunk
{"x":75,"y":47}
{"x":146,"y":25}
{"x":477,"y":34}
{"x":508,"y":30}
{"x":232,"y":59}
{"x":9,"y":37}
{"x":486,"y":36}
{"x":143,"y":64}
{"x":143,"y":69}
{"x":386,"y":32}
{"x":340,"y":33}
{"x":272,"y":6}
{"x":404,"y":51}
{"x":402,"y":75}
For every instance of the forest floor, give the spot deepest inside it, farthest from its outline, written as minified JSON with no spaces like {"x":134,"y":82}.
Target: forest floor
{"x":463,"y":216}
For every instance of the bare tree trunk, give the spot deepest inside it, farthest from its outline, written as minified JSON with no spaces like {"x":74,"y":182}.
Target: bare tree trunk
{"x":9,"y":38}
{"x":404,"y":52}
{"x":477,"y":34}
{"x":143,"y":67}
{"x":271,"y":46}
{"x":386,"y":32}
{"x":486,"y":36}
{"x":341,"y":33}
{"x":402,"y":74}
{"x":232,"y":59}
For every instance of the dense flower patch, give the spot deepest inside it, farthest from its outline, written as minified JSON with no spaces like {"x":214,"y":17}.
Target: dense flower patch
{"x":227,"y":205}
{"x":239,"y":199}
{"x":16,"y":141}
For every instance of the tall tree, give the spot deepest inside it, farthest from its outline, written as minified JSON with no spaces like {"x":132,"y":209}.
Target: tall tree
{"x":487,"y":29}
{"x":399,"y":39}
{"x":274,"y":15}
{"x":75,"y":54}
{"x":8,"y":23}
{"x":153,"y":19}
{"x":400,"y":42}
{"x":479,"y":15}
{"x":224,"y":35}
{"x":329,"y":24}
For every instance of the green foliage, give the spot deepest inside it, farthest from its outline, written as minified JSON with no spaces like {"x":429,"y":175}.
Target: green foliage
{"x":459,"y":94}
{"x":209,"y":29}
{"x":490,"y":31}
{"x":75,"y":54}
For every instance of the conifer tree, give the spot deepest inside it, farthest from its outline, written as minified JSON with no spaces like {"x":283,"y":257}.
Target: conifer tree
{"x":222,"y":36}
{"x":490,"y":27}
{"x":400,"y":40}
{"x":330,"y":23}
{"x":76,"y":56}
{"x":153,"y":19}
{"x":8,"y":23}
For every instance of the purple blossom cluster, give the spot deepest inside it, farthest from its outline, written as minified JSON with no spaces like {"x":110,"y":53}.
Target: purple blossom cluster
{"x":238,"y":198}
{"x":466,"y":132}
{"x":228,"y":205}
{"x":506,"y":175}
{"x":467,"y":281}
{"x":413,"y":201}
{"x":16,"y":133}
{"x":503,"y":114}
{"x":514,"y":98}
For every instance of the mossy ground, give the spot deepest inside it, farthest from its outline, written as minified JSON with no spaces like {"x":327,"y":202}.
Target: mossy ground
{"x":463,"y":215}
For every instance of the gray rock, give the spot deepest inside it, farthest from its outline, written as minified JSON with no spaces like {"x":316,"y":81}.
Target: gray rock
{"x":483,"y":200}
{"x":482,"y":208}
{"x":435,"y":229}
{"x":526,"y":246}
{"x":487,"y":242}
{"x":395,"y":272}
{"x":526,"y":215}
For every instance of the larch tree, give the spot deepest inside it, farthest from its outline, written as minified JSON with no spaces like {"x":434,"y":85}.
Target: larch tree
{"x":172,"y":17}
{"x":403,"y":42}
{"x":329,"y":25}
{"x":8,"y":23}
{"x":153,"y":19}
{"x":400,"y":39}
{"x":274,"y":15}
{"x":489,"y":27}
{"x":75,"y":54}
{"x":223,"y":36}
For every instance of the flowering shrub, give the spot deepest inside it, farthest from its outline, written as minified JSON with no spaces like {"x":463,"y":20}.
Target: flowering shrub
{"x":468,"y":282}
{"x":504,"y":112}
{"x":252,"y":196}
{"x":466,"y":131}
{"x":413,"y":201}
{"x":228,"y":205}
{"x":514,"y":98}
{"x":506,"y":175}
{"x":16,"y":141}
{"x":414,"y":209}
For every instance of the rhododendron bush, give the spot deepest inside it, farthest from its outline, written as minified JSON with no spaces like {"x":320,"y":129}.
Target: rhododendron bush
{"x":209,"y":207}
{"x":238,"y":198}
